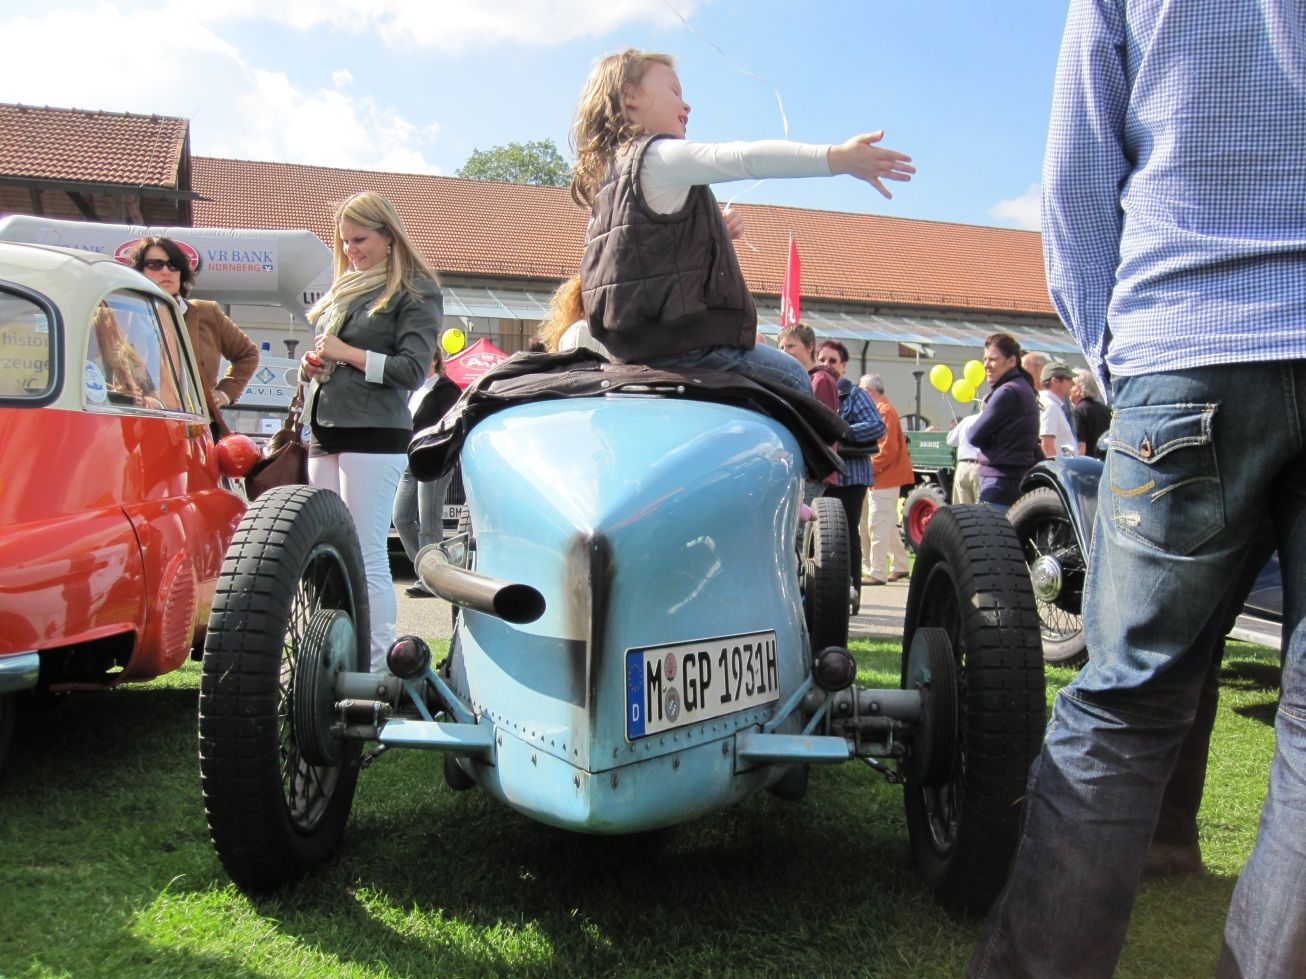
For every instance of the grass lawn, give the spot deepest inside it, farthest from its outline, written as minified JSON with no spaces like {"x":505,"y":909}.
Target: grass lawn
{"x":106,"y":868}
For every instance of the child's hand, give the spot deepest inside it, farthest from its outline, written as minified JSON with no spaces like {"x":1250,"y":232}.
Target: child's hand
{"x":734,"y":223}
{"x":866,"y":161}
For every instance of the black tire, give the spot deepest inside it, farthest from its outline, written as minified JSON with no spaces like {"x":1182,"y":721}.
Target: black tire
{"x":970,"y":581}
{"x":271,"y":815}
{"x":454,"y":776}
{"x":792,"y":785}
{"x":464,"y":527}
{"x":1057,"y":571}
{"x":826,"y":575}
{"x":8,"y":712}
{"x":918,"y":510}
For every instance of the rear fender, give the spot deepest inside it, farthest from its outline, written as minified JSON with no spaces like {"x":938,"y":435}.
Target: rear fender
{"x":1075,"y":479}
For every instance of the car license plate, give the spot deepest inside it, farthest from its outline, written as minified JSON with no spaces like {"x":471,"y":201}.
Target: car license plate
{"x":672,"y":686}
{"x":451,"y":511}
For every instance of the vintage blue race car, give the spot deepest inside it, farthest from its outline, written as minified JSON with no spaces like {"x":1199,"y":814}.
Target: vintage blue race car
{"x":651,"y":626}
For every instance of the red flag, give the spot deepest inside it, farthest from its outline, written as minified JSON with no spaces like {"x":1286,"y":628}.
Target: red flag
{"x":789,"y":292}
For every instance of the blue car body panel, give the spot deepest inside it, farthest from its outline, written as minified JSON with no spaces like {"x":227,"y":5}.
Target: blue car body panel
{"x":643,"y":522}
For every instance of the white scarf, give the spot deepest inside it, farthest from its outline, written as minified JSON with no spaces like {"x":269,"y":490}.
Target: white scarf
{"x":332,"y":307}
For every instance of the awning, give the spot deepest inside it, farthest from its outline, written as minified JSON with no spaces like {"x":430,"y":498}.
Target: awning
{"x":920,"y":331}
{"x":912,"y":331}
{"x":507,"y":304}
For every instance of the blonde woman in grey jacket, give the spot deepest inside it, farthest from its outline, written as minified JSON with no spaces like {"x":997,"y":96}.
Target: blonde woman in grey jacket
{"x":377,"y":329}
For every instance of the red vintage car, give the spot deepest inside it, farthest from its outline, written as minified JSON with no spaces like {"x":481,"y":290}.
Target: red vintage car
{"x":113,"y":516}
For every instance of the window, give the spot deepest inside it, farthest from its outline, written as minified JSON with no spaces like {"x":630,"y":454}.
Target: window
{"x":25,"y":368}
{"x":134,"y":357}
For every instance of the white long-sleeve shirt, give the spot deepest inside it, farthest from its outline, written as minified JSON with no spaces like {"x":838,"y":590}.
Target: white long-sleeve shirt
{"x":673,"y":166}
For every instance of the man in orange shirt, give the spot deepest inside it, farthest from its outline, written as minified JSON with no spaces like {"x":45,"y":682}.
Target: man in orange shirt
{"x":891,"y":468}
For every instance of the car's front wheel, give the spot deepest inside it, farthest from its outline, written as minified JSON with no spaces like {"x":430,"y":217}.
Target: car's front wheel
{"x":1057,"y":570}
{"x":292,"y":592}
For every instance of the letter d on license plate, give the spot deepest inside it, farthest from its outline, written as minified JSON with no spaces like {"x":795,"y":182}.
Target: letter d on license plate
{"x":672,"y":686}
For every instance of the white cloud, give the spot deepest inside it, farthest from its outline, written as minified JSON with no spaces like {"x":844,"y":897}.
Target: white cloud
{"x":342,"y":79}
{"x":1022,"y":211}
{"x":186,"y":69}
{"x":453,"y":25}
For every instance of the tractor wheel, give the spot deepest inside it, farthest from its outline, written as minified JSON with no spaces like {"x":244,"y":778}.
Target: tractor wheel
{"x":918,"y":510}
{"x":825,"y":575}
{"x":970,"y":588}
{"x":291,"y":586}
{"x":1057,"y":570}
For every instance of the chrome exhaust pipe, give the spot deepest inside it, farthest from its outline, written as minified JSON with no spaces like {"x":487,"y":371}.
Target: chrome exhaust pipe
{"x":506,"y":600}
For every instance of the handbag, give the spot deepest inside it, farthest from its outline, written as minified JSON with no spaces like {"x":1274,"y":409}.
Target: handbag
{"x":285,"y":460}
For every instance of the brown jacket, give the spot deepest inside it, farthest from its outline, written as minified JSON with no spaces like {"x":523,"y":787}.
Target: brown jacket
{"x":891,"y":466}
{"x":214,"y":336}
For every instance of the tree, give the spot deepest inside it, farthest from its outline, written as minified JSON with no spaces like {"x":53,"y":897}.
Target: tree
{"x":538,"y":162}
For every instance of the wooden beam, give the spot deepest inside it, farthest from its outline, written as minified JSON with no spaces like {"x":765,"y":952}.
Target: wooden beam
{"x":83,"y":205}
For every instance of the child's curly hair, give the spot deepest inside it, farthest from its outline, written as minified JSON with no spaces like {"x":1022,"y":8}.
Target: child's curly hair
{"x":601,"y":127}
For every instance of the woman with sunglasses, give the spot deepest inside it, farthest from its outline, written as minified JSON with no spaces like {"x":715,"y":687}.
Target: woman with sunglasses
{"x":212,"y":335}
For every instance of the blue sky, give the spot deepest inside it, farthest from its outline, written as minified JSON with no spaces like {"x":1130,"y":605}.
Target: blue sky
{"x":415,"y":86}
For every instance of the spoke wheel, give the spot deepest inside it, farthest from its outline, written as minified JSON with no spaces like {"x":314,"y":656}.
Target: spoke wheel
{"x":293,"y":565}
{"x":826,"y":577}
{"x":963,"y":812}
{"x":1057,"y":570}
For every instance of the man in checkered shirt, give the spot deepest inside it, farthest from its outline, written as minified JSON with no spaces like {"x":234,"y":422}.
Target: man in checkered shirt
{"x":1174,"y":223}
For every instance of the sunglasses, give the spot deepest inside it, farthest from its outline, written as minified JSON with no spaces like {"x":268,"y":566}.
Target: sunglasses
{"x":159,"y":264}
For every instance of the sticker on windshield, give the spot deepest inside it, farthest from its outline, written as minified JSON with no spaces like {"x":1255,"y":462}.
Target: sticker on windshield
{"x":97,"y":392}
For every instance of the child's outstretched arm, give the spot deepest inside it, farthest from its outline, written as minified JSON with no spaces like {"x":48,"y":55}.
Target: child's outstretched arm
{"x":861,"y":158}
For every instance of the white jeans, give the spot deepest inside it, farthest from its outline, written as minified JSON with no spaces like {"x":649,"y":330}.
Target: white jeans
{"x":886,"y":544}
{"x":367,"y":482}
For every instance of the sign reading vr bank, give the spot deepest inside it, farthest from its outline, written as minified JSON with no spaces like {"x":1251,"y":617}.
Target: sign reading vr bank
{"x":273,"y":268}
{"x":250,"y":265}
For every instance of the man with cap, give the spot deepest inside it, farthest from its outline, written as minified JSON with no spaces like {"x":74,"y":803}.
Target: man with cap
{"x":1055,"y":431}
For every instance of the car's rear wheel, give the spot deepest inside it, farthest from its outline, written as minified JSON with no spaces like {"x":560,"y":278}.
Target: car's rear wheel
{"x":292,"y":582}
{"x":918,"y":510}
{"x":1057,"y":570}
{"x":825,"y":574}
{"x":970,"y":588}
{"x":8,"y":710}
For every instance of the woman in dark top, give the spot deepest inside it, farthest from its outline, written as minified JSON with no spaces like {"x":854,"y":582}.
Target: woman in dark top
{"x":1092,"y":417}
{"x":376,"y":334}
{"x":1007,"y":431}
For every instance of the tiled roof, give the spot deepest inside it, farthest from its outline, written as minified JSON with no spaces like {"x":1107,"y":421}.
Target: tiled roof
{"x":95,"y":147}
{"x":517,"y":231}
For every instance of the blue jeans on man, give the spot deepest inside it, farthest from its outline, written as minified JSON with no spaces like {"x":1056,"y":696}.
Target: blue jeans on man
{"x":1197,"y":459}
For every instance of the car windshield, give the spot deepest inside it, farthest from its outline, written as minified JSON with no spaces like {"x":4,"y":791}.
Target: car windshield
{"x":25,"y":371}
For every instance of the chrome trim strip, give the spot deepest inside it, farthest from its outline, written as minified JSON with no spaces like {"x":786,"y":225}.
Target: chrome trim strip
{"x":19,"y":672}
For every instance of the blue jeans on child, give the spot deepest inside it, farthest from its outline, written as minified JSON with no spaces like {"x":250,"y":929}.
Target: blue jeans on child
{"x":775,"y":365}
{"x":1197,"y":459}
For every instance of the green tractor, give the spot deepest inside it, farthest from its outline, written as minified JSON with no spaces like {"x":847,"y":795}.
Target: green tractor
{"x":933,"y":461}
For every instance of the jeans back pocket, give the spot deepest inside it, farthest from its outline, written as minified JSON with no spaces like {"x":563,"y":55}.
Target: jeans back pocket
{"x":1163,"y":477}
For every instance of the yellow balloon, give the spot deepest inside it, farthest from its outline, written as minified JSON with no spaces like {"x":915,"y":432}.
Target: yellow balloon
{"x":963,"y":390}
{"x":452,"y":341}
{"x":941,"y":377}
{"x":974,"y":372}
